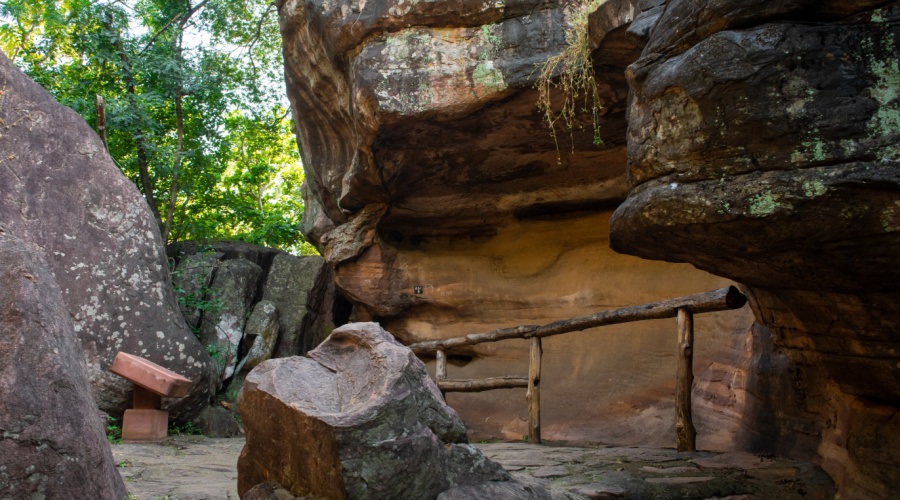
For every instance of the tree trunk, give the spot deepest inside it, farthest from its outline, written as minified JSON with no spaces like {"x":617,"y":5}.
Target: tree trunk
{"x":137,"y":135}
{"x":101,"y":120}
{"x":173,"y":189}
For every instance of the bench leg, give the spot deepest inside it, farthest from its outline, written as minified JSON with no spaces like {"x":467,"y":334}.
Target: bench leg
{"x":144,"y":425}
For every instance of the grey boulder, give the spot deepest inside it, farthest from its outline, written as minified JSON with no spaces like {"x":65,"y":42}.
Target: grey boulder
{"x":60,"y":190}
{"x":52,"y":441}
{"x":222,"y":329}
{"x":365,"y":421}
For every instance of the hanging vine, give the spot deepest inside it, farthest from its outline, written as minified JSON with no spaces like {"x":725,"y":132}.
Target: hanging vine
{"x":572,"y":71}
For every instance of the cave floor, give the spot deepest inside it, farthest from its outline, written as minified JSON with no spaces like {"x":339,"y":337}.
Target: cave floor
{"x":200,"y":468}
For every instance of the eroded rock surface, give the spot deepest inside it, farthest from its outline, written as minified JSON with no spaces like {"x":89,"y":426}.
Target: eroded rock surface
{"x":62,"y":192}
{"x":762,"y":146}
{"x":52,"y":440}
{"x":760,"y":140}
{"x":429,"y":168}
{"x":364,"y":420}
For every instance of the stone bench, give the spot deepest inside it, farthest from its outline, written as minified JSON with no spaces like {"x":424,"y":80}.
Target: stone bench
{"x":147,"y":421}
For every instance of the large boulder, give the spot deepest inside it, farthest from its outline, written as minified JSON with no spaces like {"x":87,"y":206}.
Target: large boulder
{"x":261,"y":333}
{"x":762,"y":146}
{"x":53,"y":442}
{"x":62,"y":192}
{"x":364,"y":420}
{"x":191,"y":279}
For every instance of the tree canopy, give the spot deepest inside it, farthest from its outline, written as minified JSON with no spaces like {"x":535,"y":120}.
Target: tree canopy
{"x":192,"y":93}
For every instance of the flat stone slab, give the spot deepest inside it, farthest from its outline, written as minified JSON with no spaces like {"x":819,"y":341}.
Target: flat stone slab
{"x":150,"y":376}
{"x":549,"y":472}
{"x":180,"y":468}
{"x":734,"y":460}
{"x":679,"y":480}
{"x":599,"y":491}
{"x":196,"y":467}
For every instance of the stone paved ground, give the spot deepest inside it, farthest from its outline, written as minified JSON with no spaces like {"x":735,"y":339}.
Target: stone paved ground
{"x":199,"y":468}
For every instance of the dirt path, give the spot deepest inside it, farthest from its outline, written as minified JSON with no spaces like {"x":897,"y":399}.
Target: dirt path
{"x":199,"y":468}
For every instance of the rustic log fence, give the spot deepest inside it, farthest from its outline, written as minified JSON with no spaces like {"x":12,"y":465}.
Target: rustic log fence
{"x":682,"y":308}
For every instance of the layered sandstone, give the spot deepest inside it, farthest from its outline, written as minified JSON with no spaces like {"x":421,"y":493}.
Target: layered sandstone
{"x":429,"y":165}
{"x":760,"y":145}
{"x":763,"y":147}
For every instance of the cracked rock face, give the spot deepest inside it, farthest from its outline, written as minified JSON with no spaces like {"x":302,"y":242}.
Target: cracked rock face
{"x":52,"y":439}
{"x":62,"y":192}
{"x":358,"y":417}
{"x":762,"y":146}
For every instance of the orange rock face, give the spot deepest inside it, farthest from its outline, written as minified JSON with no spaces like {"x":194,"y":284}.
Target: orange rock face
{"x":436,"y":192}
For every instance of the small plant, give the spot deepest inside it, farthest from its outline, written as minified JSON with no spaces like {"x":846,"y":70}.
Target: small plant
{"x":187,"y":429}
{"x":113,"y":430}
{"x":575,"y":72}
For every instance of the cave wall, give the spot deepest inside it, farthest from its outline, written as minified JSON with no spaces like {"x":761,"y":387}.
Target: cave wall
{"x":612,"y":384}
{"x":762,"y":146}
{"x":752,"y":140}
{"x":428,"y":164}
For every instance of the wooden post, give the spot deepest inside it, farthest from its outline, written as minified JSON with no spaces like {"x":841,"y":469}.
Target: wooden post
{"x":101,"y":119}
{"x":440,"y":371}
{"x":685,"y":434}
{"x":534,"y":392}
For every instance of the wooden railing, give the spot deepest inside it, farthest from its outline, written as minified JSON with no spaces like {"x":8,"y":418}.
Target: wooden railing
{"x":682,"y":308}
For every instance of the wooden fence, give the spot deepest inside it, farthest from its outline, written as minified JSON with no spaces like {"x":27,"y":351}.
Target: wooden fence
{"x":682,"y":308}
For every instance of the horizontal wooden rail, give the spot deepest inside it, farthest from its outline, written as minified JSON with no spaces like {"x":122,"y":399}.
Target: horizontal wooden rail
{"x":483,"y":384}
{"x":683,"y":308}
{"x":716,"y":300}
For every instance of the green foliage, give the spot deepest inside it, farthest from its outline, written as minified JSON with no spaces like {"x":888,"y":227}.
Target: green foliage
{"x":572,"y":71}
{"x":195,"y":109}
{"x":113,"y":430}
{"x":187,"y":429}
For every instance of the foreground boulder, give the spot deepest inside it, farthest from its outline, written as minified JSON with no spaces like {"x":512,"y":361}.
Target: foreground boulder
{"x":357,"y":418}
{"x":53,"y":443}
{"x":62,"y":192}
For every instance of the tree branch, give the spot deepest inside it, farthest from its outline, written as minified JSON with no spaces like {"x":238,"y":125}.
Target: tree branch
{"x":158,"y":33}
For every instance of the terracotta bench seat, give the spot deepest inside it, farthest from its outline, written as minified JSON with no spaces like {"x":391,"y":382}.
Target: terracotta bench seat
{"x":147,"y":421}
{"x":150,"y":376}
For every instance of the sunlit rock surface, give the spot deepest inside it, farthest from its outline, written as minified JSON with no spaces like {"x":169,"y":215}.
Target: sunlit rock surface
{"x":60,"y":190}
